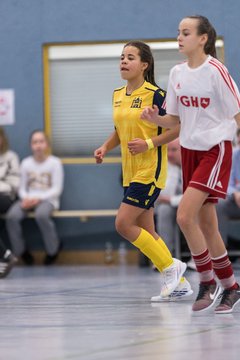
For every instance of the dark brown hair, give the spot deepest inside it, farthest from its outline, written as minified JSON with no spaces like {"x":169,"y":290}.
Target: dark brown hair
{"x":5,"y":146}
{"x":205,"y":27}
{"x":146,"y":56}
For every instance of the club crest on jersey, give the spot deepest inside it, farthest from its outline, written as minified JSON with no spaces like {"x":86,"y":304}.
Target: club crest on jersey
{"x":194,"y":101}
{"x":204,"y":102}
{"x":137,"y":102}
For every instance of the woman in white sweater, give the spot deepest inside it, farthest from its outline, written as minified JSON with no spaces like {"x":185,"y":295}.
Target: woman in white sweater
{"x":41,"y":185}
{"x":9,"y":183}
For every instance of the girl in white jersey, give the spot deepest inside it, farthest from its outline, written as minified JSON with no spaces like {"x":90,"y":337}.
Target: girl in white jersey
{"x":203,"y":97}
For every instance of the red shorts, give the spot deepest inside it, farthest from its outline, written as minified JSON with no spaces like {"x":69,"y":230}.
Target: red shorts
{"x":208,"y":171}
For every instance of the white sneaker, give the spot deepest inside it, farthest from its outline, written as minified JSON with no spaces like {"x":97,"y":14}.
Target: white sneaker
{"x":182,"y":290}
{"x":172,"y":276}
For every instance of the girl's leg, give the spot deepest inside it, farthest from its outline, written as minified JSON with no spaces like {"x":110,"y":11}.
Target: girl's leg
{"x":13,"y":223}
{"x":47,"y":227}
{"x":208,"y":223}
{"x":188,"y":219}
{"x":126,"y":221}
{"x":127,"y":224}
{"x":137,"y":226}
{"x":146,"y":221}
{"x":221,"y":263}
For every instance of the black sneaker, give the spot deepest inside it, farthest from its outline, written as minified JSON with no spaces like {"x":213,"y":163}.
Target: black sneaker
{"x":50,"y":259}
{"x":27,"y":258}
{"x":207,"y":296}
{"x":229,"y":300}
{"x":7,"y":263}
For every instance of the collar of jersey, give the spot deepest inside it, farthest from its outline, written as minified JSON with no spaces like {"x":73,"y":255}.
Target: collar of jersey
{"x":136,"y":90}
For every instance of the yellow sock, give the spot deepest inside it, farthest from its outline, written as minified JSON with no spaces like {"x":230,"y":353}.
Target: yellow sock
{"x":152,"y":249}
{"x":165,"y":248}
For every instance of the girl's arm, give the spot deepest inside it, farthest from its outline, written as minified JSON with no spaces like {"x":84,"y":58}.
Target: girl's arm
{"x":167,"y":136}
{"x":137,"y":146}
{"x":112,"y":142}
{"x":152,"y":115}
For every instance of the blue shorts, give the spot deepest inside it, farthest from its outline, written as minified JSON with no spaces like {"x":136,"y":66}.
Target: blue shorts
{"x":141,"y":195}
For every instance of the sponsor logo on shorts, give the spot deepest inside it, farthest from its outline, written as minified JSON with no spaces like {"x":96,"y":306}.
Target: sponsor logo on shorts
{"x":132,"y":199}
{"x":219,"y":184}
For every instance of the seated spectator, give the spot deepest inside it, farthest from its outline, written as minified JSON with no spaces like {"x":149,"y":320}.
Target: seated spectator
{"x":41,"y":184}
{"x":9,"y":183}
{"x":230,"y":207}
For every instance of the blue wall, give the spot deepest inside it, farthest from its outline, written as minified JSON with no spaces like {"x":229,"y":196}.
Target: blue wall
{"x":27,"y":24}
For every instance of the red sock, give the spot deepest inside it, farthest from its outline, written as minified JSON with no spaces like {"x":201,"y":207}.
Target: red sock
{"x":223,"y":269}
{"x":204,"y":267}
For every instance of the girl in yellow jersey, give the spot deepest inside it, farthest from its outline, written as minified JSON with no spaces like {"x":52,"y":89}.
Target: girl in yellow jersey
{"x":144,"y":163}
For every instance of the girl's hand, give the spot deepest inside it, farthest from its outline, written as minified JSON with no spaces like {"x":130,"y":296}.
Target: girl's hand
{"x":151,"y":114}
{"x":137,"y":146}
{"x":99,"y":154}
{"x":26,"y":204}
{"x":29,"y":203}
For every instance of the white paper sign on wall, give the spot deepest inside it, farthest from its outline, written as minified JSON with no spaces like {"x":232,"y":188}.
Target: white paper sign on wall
{"x":7,"y":107}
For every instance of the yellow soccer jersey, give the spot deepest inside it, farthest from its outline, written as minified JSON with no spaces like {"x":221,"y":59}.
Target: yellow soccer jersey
{"x":150,"y":166}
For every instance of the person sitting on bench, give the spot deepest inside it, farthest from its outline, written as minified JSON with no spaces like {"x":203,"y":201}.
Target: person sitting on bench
{"x":41,"y":184}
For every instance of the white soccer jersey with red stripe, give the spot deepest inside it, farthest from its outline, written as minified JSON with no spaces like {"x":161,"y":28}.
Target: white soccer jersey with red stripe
{"x":206,"y":99}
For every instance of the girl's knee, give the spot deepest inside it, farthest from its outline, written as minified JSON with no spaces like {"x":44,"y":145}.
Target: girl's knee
{"x":123,"y":227}
{"x":184,"y":220}
{"x":120,"y":226}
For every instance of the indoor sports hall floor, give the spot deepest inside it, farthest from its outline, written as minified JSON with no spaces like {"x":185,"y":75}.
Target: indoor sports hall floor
{"x":93,"y":313}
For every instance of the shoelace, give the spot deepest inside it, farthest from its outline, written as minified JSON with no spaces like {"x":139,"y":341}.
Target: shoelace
{"x":168,"y":275}
{"x":202,"y":291}
{"x":225,"y":297}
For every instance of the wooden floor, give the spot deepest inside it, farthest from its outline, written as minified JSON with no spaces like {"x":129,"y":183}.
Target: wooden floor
{"x":87,"y":312}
